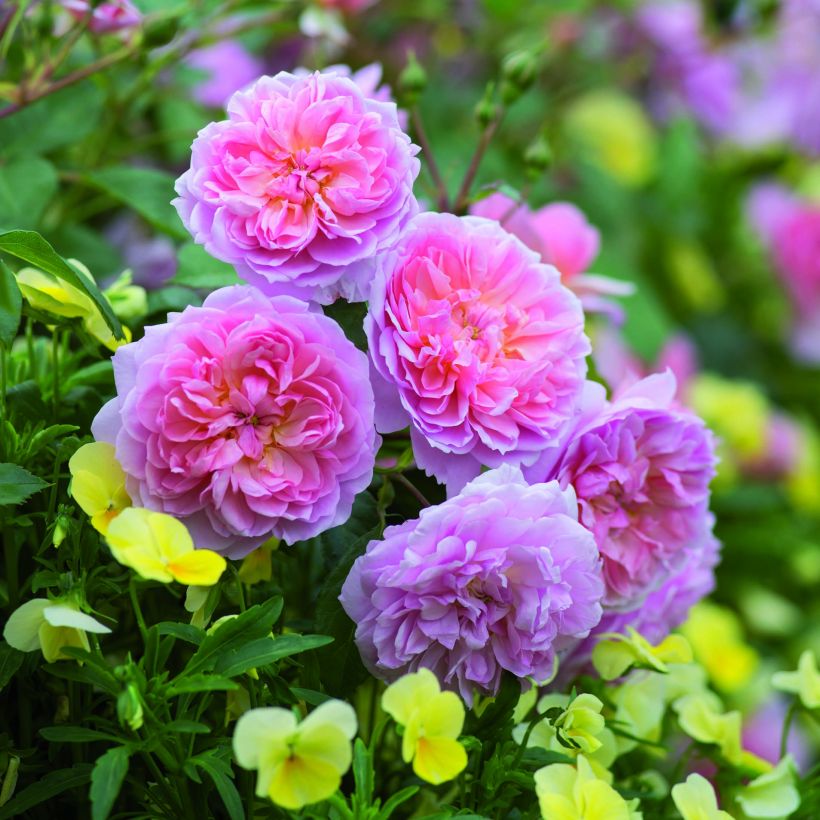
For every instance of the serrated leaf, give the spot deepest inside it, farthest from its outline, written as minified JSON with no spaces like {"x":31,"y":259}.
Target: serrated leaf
{"x":11,"y":305}
{"x":46,"y":788}
{"x":17,"y":484}
{"x":32,"y":248}
{"x":106,"y":781}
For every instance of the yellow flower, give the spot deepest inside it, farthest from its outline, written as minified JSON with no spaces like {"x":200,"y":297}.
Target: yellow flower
{"x":574,"y":793}
{"x":159,"y":547}
{"x":98,"y":483}
{"x":256,"y":566}
{"x":47,"y":293}
{"x":615,"y":134}
{"x":50,"y":626}
{"x":716,"y":637}
{"x":432,"y":722}
{"x":773,"y":794}
{"x":695,"y":800}
{"x":615,"y":653}
{"x":297,"y":763}
{"x":128,"y":301}
{"x":805,"y":682}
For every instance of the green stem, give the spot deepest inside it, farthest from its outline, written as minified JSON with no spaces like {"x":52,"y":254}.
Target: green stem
{"x":787,"y":725}
{"x":132,"y":592}
{"x":55,"y":372}
{"x":2,"y":382}
{"x":463,"y":196}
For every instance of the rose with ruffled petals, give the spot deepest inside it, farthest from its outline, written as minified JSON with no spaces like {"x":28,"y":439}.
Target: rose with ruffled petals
{"x":114,"y":15}
{"x":500,"y":577}
{"x":245,"y":417}
{"x":476,"y":344}
{"x":641,"y":468}
{"x":305,"y":182}
{"x":560,"y":233}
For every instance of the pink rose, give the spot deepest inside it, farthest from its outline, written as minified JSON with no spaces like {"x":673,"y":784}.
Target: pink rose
{"x":115,"y":15}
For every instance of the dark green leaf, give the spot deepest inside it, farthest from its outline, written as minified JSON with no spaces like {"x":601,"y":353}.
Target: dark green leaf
{"x":310,"y":696}
{"x":85,"y":674}
{"x":198,"y":269}
{"x":10,"y":660}
{"x":106,"y":781}
{"x":185,"y":632}
{"x":32,"y":248}
{"x":396,"y":800}
{"x":256,"y":622}
{"x":350,"y":315}
{"x":11,"y":305}
{"x":76,"y":734}
{"x":46,"y":788}
{"x":263,"y":651}
{"x":200,"y":683}
{"x":363,"y":771}
{"x":172,"y":297}
{"x":187,"y":727}
{"x":26,"y":186}
{"x":17,"y":484}
{"x":147,"y":190}
{"x":220,"y":773}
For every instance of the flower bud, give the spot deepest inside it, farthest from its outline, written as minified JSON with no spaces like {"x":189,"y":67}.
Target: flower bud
{"x":520,"y":69}
{"x":487,"y":109}
{"x":538,"y":155}
{"x":413,"y":79}
{"x":129,"y":707}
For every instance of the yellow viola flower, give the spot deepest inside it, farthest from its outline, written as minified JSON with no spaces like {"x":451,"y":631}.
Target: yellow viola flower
{"x":49,"y":294}
{"x":98,"y":483}
{"x":695,"y":800}
{"x":432,"y":721}
{"x":614,"y":133}
{"x":805,"y":682}
{"x":50,"y":626}
{"x":297,"y":763}
{"x":159,"y":547}
{"x":771,"y":795}
{"x":716,"y":637}
{"x":615,"y":653}
{"x":256,"y":566}
{"x":568,"y":792}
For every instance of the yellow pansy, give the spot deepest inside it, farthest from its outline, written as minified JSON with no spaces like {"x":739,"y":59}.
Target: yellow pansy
{"x":47,"y":293}
{"x":804,"y":682}
{"x":716,"y":636}
{"x":582,"y":723}
{"x":615,"y":134}
{"x":702,"y":718}
{"x":771,"y":795}
{"x":98,"y":483}
{"x":159,"y":547}
{"x":432,"y":721}
{"x":574,"y":793}
{"x":297,"y":763}
{"x":256,"y":566}
{"x":695,"y":800}
{"x":615,"y":653}
{"x":50,"y":626}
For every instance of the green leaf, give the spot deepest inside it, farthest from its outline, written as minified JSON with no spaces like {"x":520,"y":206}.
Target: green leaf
{"x":187,"y":727}
{"x":256,"y":622}
{"x":397,"y":799}
{"x":200,"y":683}
{"x":198,"y":269}
{"x":185,"y":632}
{"x":10,"y":661}
{"x":310,"y":696}
{"x":350,"y":316}
{"x":106,"y":781}
{"x":46,"y":788}
{"x":32,"y":248}
{"x":26,"y":186}
{"x":11,"y":305}
{"x":220,"y":773}
{"x":17,"y":484}
{"x":342,"y":669}
{"x":363,"y":771}
{"x":76,"y":734}
{"x":147,"y":190}
{"x":85,"y":674}
{"x":267,"y":650}
{"x":63,"y":118}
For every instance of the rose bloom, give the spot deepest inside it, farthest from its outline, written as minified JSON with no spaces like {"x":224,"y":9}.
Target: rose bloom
{"x":476,"y":344}
{"x":560,"y":234}
{"x":348,"y":6}
{"x":641,"y":468}
{"x":106,"y":17}
{"x":245,"y":417}
{"x":302,"y":186}
{"x":499,"y":577}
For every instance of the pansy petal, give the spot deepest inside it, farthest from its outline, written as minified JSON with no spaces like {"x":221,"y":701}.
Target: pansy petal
{"x":21,"y":629}
{"x":62,"y":615}
{"x":199,"y":567}
{"x":439,"y":759}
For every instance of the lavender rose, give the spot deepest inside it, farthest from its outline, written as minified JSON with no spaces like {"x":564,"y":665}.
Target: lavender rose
{"x":244,"y":417}
{"x":500,"y":577}
{"x":304,"y":183}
